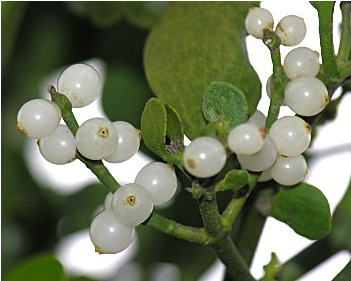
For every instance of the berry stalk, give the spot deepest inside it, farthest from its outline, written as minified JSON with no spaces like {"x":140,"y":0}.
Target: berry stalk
{"x":344,"y":52}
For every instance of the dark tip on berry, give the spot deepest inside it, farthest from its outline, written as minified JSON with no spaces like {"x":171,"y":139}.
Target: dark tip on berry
{"x":130,"y":200}
{"x":51,"y":90}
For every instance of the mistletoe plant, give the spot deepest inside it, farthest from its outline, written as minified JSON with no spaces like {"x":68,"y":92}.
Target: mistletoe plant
{"x":206,"y":90}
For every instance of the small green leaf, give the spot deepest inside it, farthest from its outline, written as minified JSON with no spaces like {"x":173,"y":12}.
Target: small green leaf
{"x":101,"y":13}
{"x":39,"y":268}
{"x":224,"y":100}
{"x":175,"y":129}
{"x":305,"y":209}
{"x":154,"y":123}
{"x":234,"y":180}
{"x":194,"y":44}
{"x":144,"y":14}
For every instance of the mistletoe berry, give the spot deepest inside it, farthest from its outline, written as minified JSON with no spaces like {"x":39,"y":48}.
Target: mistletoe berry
{"x":291,"y":30}
{"x":258,"y":21}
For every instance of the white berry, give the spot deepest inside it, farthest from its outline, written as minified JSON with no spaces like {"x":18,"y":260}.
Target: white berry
{"x":258,"y":21}
{"x":38,"y":118}
{"x":291,"y":30}
{"x":245,"y":139}
{"x":258,"y":119}
{"x":307,"y":96}
{"x":108,"y":201}
{"x":301,"y":61}
{"x":81,"y":84}
{"x":204,"y":157}
{"x":59,"y":147}
{"x":265,"y":176}
{"x":96,"y":138}
{"x":160,"y":180}
{"x":128,"y":142}
{"x":132,"y":204}
{"x":108,"y":235}
{"x":289,"y":170}
{"x":261,"y":160}
{"x":291,"y":135}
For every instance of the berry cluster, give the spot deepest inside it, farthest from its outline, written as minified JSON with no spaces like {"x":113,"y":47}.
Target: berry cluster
{"x":112,"y":230}
{"x":278,"y":154}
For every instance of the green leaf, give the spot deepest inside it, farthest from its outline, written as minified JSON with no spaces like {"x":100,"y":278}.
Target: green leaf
{"x":194,"y":44}
{"x":344,"y":275}
{"x":224,"y":101}
{"x":234,"y":180}
{"x":101,"y":13}
{"x":144,"y":14}
{"x":175,"y":129}
{"x":305,"y":209}
{"x":39,"y":268}
{"x":155,"y":122}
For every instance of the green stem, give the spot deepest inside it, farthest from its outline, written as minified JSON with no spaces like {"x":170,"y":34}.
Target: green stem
{"x":279,"y":79}
{"x":222,"y":243}
{"x":344,"y":51}
{"x":192,"y":234}
{"x":97,"y":167}
{"x":325,"y":18}
{"x":156,"y":221}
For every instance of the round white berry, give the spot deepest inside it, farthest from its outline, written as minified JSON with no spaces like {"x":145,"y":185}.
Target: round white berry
{"x":204,"y":157}
{"x":245,"y":139}
{"x":265,"y":176}
{"x":289,"y":170}
{"x":261,"y":160}
{"x":96,"y":138}
{"x":108,"y":235}
{"x":258,"y":119}
{"x":80,"y":83}
{"x":160,"y":180}
{"x":38,"y":118}
{"x":258,"y":21}
{"x":132,"y":204}
{"x":128,"y":142}
{"x":59,"y":147}
{"x":291,"y":30}
{"x":307,"y":96}
{"x":108,"y":201}
{"x":291,"y":135}
{"x":301,"y":61}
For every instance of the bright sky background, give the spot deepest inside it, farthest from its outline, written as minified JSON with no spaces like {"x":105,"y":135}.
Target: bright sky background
{"x":76,"y":251}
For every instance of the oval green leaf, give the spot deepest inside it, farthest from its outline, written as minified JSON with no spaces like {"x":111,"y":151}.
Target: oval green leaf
{"x":194,"y":44}
{"x":305,"y":209}
{"x":39,"y":268}
{"x":158,"y":121}
{"x":233,"y":180}
{"x":223,"y":100}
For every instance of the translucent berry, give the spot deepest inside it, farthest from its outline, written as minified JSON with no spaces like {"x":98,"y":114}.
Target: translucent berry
{"x":245,"y":139}
{"x":301,"y":61}
{"x":108,"y":235}
{"x":291,"y":135}
{"x":160,"y":180}
{"x":59,"y":147}
{"x":307,"y":96}
{"x":81,"y":84}
{"x":204,"y":157}
{"x":96,"y":138}
{"x":258,"y":21}
{"x":291,"y":30}
{"x":258,"y":119}
{"x":108,"y":201}
{"x":38,"y":118}
{"x":132,"y":204}
{"x":128,"y":142}
{"x":265,"y":176}
{"x":261,"y":160}
{"x":289,"y":170}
